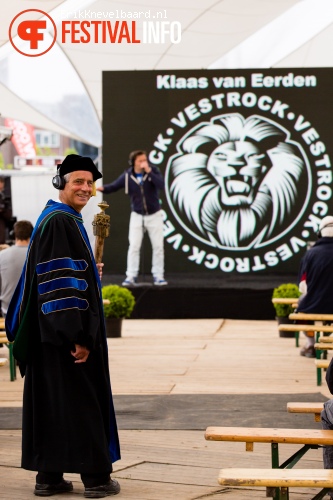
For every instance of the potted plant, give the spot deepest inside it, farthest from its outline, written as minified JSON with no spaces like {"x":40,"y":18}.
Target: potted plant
{"x":285,"y":291}
{"x":121,"y":304}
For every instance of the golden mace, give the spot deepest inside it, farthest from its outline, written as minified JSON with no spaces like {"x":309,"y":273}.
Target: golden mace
{"x":101,"y":228}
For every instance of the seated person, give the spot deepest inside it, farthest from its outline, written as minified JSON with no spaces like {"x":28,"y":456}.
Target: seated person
{"x":327,"y":422}
{"x":316,"y":279}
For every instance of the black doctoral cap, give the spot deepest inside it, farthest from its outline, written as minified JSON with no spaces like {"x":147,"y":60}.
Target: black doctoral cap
{"x":76,"y":162}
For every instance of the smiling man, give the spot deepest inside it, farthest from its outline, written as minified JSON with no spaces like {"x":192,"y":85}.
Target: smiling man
{"x":56,"y":321}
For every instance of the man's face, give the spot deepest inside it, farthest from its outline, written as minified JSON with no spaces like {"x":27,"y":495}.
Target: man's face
{"x":140,"y":162}
{"x":238,"y":167}
{"x":78,"y":189}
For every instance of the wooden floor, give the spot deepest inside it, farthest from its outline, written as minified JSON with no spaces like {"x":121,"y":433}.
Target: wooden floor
{"x":182,"y":357}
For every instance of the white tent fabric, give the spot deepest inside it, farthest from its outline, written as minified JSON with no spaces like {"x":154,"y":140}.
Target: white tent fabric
{"x":215,"y":34}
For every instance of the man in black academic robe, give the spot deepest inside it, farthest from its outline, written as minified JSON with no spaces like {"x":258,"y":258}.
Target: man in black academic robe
{"x":56,"y":319}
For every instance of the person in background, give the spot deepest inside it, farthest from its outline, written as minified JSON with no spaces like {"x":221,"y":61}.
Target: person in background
{"x":12,"y":260}
{"x":142,"y":182}
{"x":5,"y":211}
{"x":56,"y":321}
{"x":316,"y":279}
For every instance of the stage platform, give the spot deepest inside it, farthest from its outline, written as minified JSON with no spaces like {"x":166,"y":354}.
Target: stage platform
{"x":204,"y":296}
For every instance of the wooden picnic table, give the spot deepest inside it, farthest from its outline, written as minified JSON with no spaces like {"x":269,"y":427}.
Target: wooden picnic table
{"x":321,"y":347}
{"x":308,"y":438}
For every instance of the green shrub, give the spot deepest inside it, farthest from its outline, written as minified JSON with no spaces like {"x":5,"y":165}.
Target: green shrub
{"x":121,"y":299}
{"x":289,"y":290}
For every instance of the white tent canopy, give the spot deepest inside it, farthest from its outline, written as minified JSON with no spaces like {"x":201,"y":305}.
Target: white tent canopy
{"x":62,"y":90}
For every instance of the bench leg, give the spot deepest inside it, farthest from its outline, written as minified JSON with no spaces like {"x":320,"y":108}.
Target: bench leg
{"x":321,"y":494}
{"x":291,"y":461}
{"x":12,"y":363}
{"x":284,"y":494}
{"x":318,"y":376}
{"x":278,"y":493}
{"x":274,"y":492}
{"x":275,"y":455}
{"x":318,"y":356}
{"x":297,"y":339}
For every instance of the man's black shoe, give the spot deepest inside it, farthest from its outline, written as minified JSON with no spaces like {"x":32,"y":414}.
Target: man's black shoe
{"x":106,"y":490}
{"x":46,"y":490}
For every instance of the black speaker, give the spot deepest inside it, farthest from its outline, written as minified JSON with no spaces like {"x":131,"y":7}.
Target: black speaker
{"x":58,"y":182}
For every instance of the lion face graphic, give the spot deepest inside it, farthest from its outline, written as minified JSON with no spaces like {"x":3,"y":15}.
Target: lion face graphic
{"x":235,"y":181}
{"x":237,"y":166}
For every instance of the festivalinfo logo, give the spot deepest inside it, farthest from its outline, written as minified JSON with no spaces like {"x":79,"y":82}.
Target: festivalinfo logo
{"x":33,"y":32}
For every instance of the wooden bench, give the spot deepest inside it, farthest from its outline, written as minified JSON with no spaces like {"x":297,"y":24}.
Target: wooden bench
{"x":324,"y":346}
{"x":287,"y":327}
{"x":309,"y":438}
{"x":251,"y":435}
{"x":279,"y":478}
{"x":315,"y":408}
{"x":12,"y":363}
{"x":299,"y":316}
{"x":321,"y":364}
{"x":311,"y":316}
{"x":285,"y":300}
{"x":317,"y":329}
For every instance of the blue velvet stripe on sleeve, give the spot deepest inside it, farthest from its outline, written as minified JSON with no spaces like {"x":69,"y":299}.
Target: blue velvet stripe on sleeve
{"x":64,"y":304}
{"x":61,"y":284}
{"x":63,"y":263}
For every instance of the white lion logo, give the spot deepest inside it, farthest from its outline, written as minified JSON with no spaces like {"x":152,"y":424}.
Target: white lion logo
{"x":235,"y":181}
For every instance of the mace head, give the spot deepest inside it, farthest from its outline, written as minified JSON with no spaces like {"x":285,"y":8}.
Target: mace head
{"x":103,"y":205}
{"x":101,"y":222}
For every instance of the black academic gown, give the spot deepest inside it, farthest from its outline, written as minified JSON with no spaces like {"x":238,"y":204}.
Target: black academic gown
{"x":68,"y":417}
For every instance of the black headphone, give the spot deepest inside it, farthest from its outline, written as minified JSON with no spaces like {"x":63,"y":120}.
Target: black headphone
{"x":330,"y":224}
{"x":58,"y":182}
{"x":133,"y":155}
{"x":131,"y":160}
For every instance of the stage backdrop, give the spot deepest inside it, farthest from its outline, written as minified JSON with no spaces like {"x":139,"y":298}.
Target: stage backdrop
{"x":246,"y":156}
